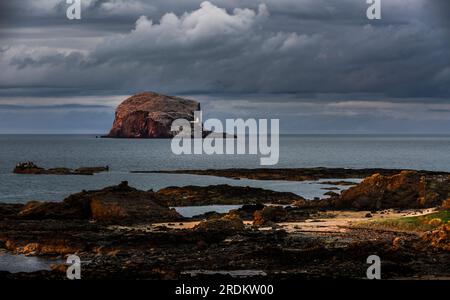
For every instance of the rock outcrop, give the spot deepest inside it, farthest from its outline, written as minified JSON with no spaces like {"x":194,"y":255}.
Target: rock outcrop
{"x":117,"y":203}
{"x":408,"y":189}
{"x":296,"y":174}
{"x":439,"y":238}
{"x":269,"y":214}
{"x":150,"y":115}
{"x":223,"y":194}
{"x":227,"y":224}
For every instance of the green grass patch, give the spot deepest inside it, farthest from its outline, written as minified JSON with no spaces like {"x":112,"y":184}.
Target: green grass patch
{"x":417,"y":223}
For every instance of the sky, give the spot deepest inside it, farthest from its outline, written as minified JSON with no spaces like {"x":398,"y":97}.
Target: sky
{"x":319,"y":66}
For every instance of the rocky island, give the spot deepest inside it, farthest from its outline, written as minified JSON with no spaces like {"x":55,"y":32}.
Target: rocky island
{"x":150,"y":115}
{"x":30,"y":168}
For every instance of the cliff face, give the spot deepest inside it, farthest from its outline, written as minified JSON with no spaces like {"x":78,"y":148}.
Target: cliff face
{"x":150,"y":115}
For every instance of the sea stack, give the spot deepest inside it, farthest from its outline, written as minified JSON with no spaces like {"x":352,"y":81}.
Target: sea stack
{"x":150,"y":115}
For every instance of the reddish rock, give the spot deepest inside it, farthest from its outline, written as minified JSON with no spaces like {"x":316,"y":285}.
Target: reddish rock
{"x":408,"y":189}
{"x":150,"y":115}
{"x":446,"y":204}
{"x":439,"y":238}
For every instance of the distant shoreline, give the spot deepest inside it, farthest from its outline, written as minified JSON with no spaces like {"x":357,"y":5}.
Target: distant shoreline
{"x":292,"y":174}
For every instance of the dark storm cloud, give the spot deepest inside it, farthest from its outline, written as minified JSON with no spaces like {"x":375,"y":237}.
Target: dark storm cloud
{"x":12,"y":107}
{"x":241,"y":50}
{"x":304,"y":54}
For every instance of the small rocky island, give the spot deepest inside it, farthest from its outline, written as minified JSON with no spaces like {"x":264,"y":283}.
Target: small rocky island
{"x":30,"y":168}
{"x":150,"y":115}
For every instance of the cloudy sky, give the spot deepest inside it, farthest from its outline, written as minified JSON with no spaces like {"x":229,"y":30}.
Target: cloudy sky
{"x":320,"y":66}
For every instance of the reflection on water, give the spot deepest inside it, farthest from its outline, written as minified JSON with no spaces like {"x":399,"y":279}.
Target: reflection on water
{"x":21,"y":263}
{"x":190,"y":211}
{"x":124,"y":155}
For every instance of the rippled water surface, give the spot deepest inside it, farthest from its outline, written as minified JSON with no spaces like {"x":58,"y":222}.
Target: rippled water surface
{"x":124,"y":155}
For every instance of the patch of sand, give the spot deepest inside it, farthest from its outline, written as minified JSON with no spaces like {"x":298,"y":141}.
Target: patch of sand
{"x":342,"y":221}
{"x":327,"y":222}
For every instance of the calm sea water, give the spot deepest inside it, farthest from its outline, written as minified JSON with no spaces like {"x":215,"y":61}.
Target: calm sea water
{"x":123,"y":155}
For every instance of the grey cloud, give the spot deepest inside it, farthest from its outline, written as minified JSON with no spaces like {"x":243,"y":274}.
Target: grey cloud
{"x":299,"y":56}
{"x":12,"y":107}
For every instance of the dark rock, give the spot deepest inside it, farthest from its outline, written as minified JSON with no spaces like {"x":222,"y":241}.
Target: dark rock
{"x":117,"y":203}
{"x":223,"y":194}
{"x":295,"y":174}
{"x":330,"y":188}
{"x":227,"y":224}
{"x":331,"y":194}
{"x":368,"y":215}
{"x":269,"y":214}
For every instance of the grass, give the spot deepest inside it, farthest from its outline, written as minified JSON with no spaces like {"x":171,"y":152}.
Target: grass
{"x":418,"y":223}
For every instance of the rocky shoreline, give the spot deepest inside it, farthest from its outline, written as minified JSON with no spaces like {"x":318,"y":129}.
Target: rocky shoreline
{"x":120,"y":232}
{"x":294,"y":174}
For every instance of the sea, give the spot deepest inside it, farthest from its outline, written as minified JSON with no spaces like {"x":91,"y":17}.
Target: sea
{"x":427,"y":152}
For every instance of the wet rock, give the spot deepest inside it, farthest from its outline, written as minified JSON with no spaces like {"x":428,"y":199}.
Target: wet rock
{"x":223,"y":194}
{"x":207,"y":215}
{"x":332,"y":194}
{"x":269,"y":214}
{"x":247,"y":210}
{"x":339,"y":182}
